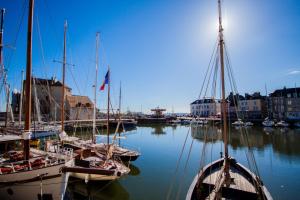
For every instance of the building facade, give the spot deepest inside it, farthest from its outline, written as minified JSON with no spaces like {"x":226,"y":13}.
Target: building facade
{"x":206,"y":107}
{"x":253,"y":106}
{"x":285,"y":104}
{"x":47,"y":97}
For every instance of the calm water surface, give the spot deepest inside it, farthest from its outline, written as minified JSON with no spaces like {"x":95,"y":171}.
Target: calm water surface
{"x":277,"y":154}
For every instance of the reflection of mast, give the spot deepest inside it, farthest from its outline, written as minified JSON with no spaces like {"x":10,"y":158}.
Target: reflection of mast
{"x":223,"y":101}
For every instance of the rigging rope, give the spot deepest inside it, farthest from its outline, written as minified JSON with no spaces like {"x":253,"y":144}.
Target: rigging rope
{"x":177,"y":165}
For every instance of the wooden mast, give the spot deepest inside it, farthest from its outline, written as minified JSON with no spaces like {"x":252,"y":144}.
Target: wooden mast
{"x":224,"y":103}
{"x":95,"y":89}
{"x":63,"y":80}
{"x":26,"y":134}
{"x":108,"y":102}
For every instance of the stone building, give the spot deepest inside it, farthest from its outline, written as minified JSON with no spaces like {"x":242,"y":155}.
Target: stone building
{"x":79,"y":107}
{"x":285,"y":103}
{"x":47,"y":94}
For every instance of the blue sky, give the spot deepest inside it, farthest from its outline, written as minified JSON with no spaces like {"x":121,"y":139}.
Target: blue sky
{"x":159,"y":49}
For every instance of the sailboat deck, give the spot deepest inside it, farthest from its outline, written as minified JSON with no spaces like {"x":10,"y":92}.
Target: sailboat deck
{"x":239,"y":181}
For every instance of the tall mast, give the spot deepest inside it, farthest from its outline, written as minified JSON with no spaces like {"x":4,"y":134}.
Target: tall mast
{"x":26,"y":134}
{"x":224,"y":103}
{"x":21,"y":99}
{"x":120,"y":98}
{"x":95,"y":88}
{"x":108,"y":102}
{"x":63,"y":79}
{"x":267,"y":100}
{"x":1,"y":38}
{"x":1,"y":42}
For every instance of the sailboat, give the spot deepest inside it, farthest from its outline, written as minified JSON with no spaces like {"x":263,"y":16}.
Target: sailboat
{"x":225,"y":178}
{"x":115,"y":151}
{"x":89,"y":164}
{"x":268,"y":122}
{"x":30,"y":173}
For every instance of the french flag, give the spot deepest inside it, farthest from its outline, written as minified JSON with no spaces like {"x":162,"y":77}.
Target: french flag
{"x":106,"y":81}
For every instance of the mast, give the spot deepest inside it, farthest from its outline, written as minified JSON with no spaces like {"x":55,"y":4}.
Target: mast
{"x":7,"y":103}
{"x":1,"y":38}
{"x":95,"y":88}
{"x":224,"y":103}
{"x":26,"y":134}
{"x":1,"y":42}
{"x":120,"y":98}
{"x":21,"y":99}
{"x":36,"y":101}
{"x":108,"y":101}
{"x":63,"y":79}
{"x":267,"y":101}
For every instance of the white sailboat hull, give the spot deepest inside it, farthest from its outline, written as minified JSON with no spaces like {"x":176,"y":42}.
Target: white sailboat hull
{"x":27,"y":184}
{"x":93,"y":177}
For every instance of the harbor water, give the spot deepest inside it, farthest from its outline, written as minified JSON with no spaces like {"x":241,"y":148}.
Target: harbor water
{"x":154,"y":175}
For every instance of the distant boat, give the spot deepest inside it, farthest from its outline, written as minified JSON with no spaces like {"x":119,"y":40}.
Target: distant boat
{"x":282,"y":124}
{"x":248,"y":124}
{"x":268,"y":122}
{"x":239,"y":122}
{"x":297,"y":124}
{"x":225,"y":178}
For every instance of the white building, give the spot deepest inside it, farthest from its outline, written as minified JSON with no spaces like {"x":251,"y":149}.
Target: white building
{"x":205,"y":107}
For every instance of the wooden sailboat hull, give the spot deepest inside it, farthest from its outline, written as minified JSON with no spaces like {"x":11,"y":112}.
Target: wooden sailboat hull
{"x":90,"y":174}
{"x":243,"y":186}
{"x":27,"y":184}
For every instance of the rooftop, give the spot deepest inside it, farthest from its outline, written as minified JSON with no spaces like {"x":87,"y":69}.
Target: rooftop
{"x":293,"y":92}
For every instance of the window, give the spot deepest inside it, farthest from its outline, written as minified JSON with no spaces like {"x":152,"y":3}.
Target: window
{"x":289,"y":102}
{"x":289,"y":95}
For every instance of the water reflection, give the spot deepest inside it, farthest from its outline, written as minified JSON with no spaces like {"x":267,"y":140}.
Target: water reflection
{"x":134,"y":170}
{"x":78,"y":190}
{"x":283,"y":140}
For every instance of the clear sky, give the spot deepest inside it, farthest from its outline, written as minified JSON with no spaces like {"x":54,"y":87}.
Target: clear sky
{"x":159,"y":49}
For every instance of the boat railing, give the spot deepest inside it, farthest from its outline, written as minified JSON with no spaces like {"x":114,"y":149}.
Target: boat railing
{"x":13,"y":167}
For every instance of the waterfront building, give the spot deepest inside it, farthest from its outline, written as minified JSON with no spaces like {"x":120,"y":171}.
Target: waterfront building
{"x":233,"y":105}
{"x":205,"y":107}
{"x":285,"y":103}
{"x":79,"y":107}
{"x":49,"y":95}
{"x":248,"y":107}
{"x":253,"y":106}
